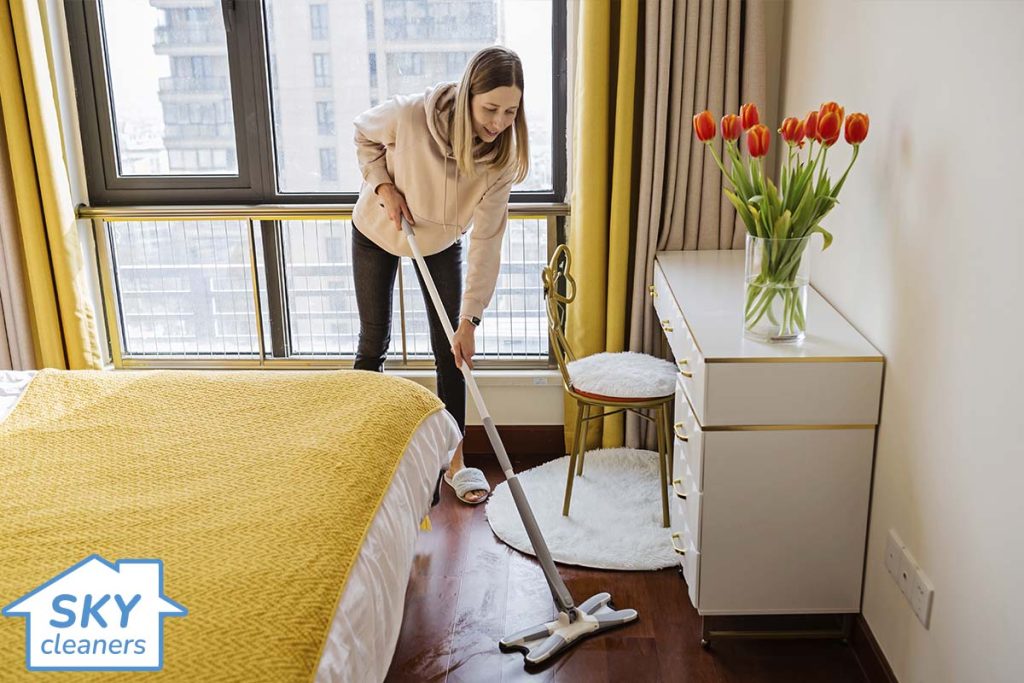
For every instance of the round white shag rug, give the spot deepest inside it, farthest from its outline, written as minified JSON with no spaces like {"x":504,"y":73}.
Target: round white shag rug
{"x":614,"y":521}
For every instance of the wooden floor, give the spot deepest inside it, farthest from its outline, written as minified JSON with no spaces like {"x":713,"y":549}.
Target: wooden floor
{"x":468,"y":589}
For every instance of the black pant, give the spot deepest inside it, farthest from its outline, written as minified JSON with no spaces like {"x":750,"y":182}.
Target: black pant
{"x":374,"y":271}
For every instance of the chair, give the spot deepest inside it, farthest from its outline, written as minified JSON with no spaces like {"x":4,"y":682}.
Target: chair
{"x":618,"y":382}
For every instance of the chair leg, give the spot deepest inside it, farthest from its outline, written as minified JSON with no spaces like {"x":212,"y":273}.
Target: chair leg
{"x":662,"y":419}
{"x":670,"y":440}
{"x":572,"y":458}
{"x":583,"y":442}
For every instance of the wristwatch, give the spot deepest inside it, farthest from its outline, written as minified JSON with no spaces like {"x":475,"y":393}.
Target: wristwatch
{"x":472,"y":319}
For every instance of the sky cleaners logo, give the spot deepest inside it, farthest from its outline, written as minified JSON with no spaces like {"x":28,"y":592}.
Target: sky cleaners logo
{"x":97,"y":616}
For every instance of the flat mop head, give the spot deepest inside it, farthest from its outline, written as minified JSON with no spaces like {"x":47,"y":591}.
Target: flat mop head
{"x":542,"y":642}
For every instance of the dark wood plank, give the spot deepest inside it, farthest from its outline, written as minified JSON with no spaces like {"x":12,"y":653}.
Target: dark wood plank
{"x":468,"y":589}
{"x":541,"y":442}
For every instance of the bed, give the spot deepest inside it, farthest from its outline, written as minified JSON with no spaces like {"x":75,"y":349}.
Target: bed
{"x":359,"y":641}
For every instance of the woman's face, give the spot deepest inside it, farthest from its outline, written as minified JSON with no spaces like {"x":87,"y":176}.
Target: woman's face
{"x":494,"y":111}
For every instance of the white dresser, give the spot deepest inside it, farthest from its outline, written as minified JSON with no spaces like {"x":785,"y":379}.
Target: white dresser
{"x":773,"y":450}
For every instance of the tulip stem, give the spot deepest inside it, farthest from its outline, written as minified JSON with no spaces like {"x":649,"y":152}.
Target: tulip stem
{"x":839,"y":185}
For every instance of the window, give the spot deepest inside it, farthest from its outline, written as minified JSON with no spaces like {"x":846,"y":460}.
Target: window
{"x":159,"y":87}
{"x":140,"y":66}
{"x":325,"y":118}
{"x":154,"y":76}
{"x":328,"y":164}
{"x":318,"y":22}
{"x":321,"y":70}
{"x":373,"y":69}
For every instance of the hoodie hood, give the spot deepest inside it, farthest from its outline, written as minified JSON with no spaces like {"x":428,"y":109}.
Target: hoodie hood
{"x":439,"y":103}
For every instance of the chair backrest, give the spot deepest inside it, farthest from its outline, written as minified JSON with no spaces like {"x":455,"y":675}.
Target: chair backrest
{"x":559,"y":292}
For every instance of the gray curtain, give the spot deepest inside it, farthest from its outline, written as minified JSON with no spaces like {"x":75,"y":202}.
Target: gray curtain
{"x":697,"y":55}
{"x":16,"y":350}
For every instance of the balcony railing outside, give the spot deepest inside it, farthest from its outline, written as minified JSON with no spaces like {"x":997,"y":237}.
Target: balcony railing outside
{"x":178,"y":289}
{"x":194,"y":84}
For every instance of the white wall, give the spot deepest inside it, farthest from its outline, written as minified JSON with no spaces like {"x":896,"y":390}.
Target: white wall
{"x":927,"y":264}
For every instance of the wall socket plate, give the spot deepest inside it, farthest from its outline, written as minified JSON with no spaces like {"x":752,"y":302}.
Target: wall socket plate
{"x":893,"y":554}
{"x":921,"y":594}
{"x":907,"y":572}
{"x":913,"y":583}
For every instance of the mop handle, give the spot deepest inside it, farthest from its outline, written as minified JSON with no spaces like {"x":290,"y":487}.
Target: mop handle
{"x":559,"y":591}
{"x":474,"y":390}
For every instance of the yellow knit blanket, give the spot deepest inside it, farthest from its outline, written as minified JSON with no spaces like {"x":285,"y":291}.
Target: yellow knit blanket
{"x":255,"y":488}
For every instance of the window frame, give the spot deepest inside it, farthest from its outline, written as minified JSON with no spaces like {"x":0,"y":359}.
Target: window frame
{"x":256,"y":181}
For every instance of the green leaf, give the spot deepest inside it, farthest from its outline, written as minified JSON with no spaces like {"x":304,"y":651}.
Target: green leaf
{"x":782,"y":225}
{"x":743,"y":211}
{"x":825,"y":234}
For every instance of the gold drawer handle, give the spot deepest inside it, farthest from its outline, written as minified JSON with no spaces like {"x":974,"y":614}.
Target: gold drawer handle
{"x":676,"y":488}
{"x":666,"y":325}
{"x":678,"y":429}
{"x":675,"y":535}
{"x":653,"y":291}
{"x":685,"y":373}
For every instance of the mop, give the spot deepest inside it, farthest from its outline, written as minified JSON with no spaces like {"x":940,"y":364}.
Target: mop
{"x":595,"y":614}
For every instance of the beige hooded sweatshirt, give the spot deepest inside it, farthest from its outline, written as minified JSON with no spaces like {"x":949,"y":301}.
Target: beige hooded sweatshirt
{"x":405,"y":141}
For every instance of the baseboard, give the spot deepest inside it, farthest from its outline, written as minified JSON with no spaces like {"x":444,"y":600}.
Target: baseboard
{"x":526,"y":444}
{"x":869,"y":654}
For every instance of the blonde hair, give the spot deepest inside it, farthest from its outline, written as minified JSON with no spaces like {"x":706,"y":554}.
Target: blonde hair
{"x":490,"y":68}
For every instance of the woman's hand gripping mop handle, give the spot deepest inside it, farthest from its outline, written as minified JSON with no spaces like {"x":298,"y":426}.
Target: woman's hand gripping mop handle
{"x":539,"y":643}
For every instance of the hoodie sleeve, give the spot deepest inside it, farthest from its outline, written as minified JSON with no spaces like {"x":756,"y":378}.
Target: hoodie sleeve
{"x":376,"y":130}
{"x":490,"y":217}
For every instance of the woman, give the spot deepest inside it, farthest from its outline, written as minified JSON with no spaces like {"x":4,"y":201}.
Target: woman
{"x":443,"y":160}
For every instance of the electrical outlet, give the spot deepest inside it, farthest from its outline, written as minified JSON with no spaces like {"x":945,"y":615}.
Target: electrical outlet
{"x":893,"y":555}
{"x":921,"y":594}
{"x":907,"y":572}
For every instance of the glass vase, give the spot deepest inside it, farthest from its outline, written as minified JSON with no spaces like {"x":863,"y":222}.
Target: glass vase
{"x":777,"y":273}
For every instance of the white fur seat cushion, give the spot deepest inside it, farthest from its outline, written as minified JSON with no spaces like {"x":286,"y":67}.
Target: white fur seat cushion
{"x":623,"y":376}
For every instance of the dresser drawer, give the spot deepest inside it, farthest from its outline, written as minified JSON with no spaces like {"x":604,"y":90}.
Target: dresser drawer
{"x":688,"y":502}
{"x":688,"y":356}
{"x":688,"y":437}
{"x":791,"y":393}
{"x":689,"y":561}
{"x":791,"y":502}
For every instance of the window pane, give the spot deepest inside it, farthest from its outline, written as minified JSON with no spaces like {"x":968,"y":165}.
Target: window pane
{"x":170,"y":90}
{"x":379,"y":48}
{"x":324,"y":317}
{"x":184,"y":288}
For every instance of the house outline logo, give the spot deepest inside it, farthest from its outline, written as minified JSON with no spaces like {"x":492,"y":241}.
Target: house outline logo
{"x":97,"y":605}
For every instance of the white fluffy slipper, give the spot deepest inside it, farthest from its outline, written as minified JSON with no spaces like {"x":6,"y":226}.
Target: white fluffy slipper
{"x":467,"y":480}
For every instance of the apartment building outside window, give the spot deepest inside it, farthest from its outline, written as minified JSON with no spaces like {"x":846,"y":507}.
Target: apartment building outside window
{"x":321,"y":70}
{"x":328,"y":164}
{"x":318,"y":25}
{"x":325,"y":118}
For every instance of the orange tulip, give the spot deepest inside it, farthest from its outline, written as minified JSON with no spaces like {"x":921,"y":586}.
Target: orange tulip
{"x":811,"y":125}
{"x":749,"y":115}
{"x":833,"y":108}
{"x":731,"y":128}
{"x":829,"y":125}
{"x":758,"y":138}
{"x":704,"y":126}
{"x":856,"y":128}
{"x":792,"y":131}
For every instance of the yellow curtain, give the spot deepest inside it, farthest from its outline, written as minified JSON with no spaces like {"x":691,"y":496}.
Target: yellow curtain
{"x":599,"y":237}
{"x":63,"y":322}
